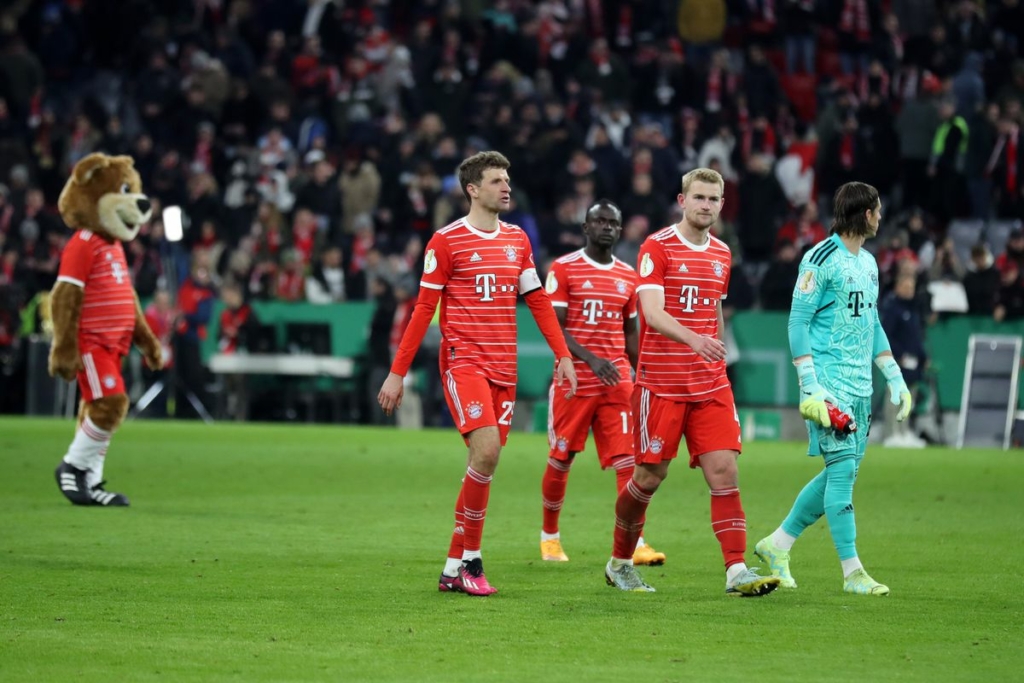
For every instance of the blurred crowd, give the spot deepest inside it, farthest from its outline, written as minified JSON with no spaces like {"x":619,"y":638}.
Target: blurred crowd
{"x":311,"y":144}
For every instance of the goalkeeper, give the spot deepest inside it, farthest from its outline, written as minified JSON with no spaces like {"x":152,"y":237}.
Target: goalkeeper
{"x":834,"y":335}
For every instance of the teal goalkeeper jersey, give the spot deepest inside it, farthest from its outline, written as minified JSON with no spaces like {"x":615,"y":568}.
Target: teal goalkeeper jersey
{"x":834,"y":317}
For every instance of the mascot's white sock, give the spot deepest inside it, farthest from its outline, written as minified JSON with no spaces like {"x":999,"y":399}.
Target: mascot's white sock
{"x":88,"y":451}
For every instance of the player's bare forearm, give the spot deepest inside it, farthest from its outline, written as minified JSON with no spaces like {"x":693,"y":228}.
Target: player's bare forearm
{"x":575,"y":348}
{"x":632,"y":331}
{"x":663,"y":323}
{"x":721,"y":322}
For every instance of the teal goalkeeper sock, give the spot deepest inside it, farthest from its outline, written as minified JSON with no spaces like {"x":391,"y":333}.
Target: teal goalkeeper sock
{"x":841,"y":476}
{"x":808,"y":507}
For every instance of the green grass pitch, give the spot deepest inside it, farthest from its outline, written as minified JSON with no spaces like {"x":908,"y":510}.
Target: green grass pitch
{"x":293,"y":553}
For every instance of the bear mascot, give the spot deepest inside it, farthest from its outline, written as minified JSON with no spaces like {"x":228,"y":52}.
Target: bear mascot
{"x":96,"y":315}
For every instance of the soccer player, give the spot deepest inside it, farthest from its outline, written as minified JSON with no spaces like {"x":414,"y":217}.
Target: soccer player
{"x":594,"y":295}
{"x":476,"y":267}
{"x":834,"y":333}
{"x":681,"y":386}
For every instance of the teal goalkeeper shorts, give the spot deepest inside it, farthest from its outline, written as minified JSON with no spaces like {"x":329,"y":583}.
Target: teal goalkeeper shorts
{"x":832,"y":445}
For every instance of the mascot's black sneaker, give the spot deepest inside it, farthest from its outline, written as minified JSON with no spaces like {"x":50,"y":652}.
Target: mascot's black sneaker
{"x":107,"y":498}
{"x":71,"y":482}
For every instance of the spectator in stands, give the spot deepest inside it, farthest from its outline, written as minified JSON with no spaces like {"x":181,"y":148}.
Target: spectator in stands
{"x":780,"y":278}
{"x":981,"y":283}
{"x":326,"y":283}
{"x":947,"y":162}
{"x":903,"y":325}
{"x":360,"y":185}
{"x":379,"y":343}
{"x":627,"y":249}
{"x":803,"y":230}
{"x":1010,"y":302}
{"x":1006,"y":168}
{"x":237,"y":320}
{"x":290,"y":282}
{"x":946,"y":265}
{"x":762,"y":206}
{"x":1013,"y":257}
{"x":161,"y":317}
{"x":195,"y":309}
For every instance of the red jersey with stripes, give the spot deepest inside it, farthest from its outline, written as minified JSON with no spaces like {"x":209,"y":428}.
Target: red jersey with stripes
{"x":108,"y":306}
{"x":481,"y":275}
{"x":695,"y":278}
{"x":598,"y":299}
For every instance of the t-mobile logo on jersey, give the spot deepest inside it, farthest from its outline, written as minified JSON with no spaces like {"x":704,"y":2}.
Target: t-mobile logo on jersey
{"x":485,"y":286}
{"x":592,"y":309}
{"x":688,"y":297}
{"x":117,"y":271}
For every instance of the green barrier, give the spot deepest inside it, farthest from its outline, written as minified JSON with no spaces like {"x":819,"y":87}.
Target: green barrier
{"x":349,"y":323}
{"x":763,"y":374}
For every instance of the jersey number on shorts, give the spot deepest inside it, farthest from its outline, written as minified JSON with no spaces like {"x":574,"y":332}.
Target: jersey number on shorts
{"x":506,"y":414}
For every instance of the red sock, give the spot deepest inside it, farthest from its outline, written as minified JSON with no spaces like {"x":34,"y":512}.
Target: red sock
{"x":458,"y":535}
{"x":476,"y":488}
{"x":729,"y":524}
{"x":623,"y":466}
{"x":630,"y":509}
{"x":553,"y":489}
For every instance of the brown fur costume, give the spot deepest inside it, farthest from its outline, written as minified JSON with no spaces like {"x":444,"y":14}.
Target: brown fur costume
{"x":102,"y":195}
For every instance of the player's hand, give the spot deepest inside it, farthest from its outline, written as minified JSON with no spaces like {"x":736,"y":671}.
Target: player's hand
{"x":813,"y":397}
{"x":390,"y":396}
{"x":711,"y":349}
{"x":65,"y":362}
{"x":605,"y":371}
{"x":899,"y":395}
{"x":566,"y":371}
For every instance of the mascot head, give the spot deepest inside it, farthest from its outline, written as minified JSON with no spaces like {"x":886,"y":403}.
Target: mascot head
{"x":104,"y":194}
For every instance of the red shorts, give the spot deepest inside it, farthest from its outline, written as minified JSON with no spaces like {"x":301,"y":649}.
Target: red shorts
{"x":476,"y":402}
{"x":608,"y":414}
{"x":102,"y":374}
{"x":708,"y":425}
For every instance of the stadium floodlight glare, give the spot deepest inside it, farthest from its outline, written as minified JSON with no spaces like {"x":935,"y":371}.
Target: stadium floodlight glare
{"x":173,"y":229}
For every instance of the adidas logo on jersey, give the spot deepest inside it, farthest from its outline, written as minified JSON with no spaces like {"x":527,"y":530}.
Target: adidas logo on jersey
{"x":475,"y":257}
{"x":683,"y":268}
{"x":587,"y":285}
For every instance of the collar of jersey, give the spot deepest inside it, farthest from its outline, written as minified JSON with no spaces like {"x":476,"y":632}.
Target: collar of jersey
{"x":691,"y":245}
{"x":481,"y":233}
{"x":599,"y":266}
{"x":842,"y":245}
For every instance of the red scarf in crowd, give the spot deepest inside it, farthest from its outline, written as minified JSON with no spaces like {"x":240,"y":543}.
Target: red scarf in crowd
{"x":855,"y":20}
{"x":846,"y":151}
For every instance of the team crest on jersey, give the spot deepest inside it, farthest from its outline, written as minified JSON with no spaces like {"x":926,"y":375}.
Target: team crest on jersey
{"x":429,"y":262}
{"x":510,"y":253}
{"x":656,"y":445}
{"x":562,"y":445}
{"x":620,"y":286}
{"x":109,"y":382}
{"x":719,"y":268}
{"x":475,"y":410}
{"x":552,"y":284}
{"x":806,"y":283}
{"x":646,"y":265}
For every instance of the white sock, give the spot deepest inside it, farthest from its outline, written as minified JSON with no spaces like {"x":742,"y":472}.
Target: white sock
{"x":544,"y":536}
{"x":95,"y":473}
{"x":640,"y":542}
{"x":617,"y":563}
{"x":468,"y":555}
{"x":850,"y":566}
{"x":89,"y":442}
{"x":782,"y":540}
{"x":451,"y":566}
{"x":734,"y":570}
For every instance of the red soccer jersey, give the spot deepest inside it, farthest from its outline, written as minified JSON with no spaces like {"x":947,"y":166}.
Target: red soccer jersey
{"x":108,"y":309}
{"x":694,"y":279}
{"x":598,"y":299}
{"x":480,"y":275}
